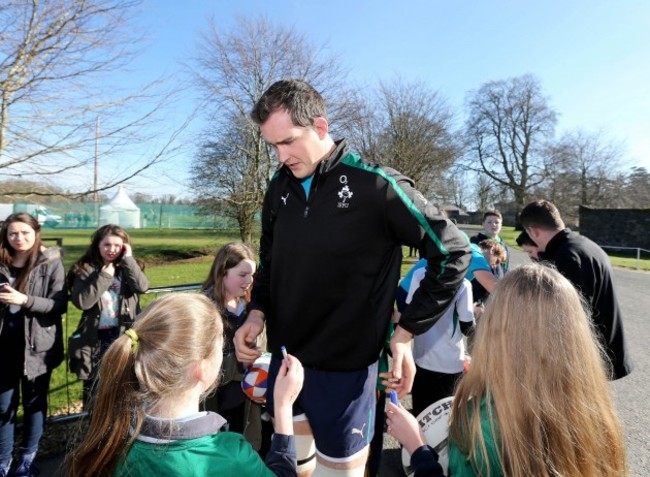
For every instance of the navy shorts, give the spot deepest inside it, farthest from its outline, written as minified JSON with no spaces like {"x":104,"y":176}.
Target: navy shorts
{"x":339,"y":405}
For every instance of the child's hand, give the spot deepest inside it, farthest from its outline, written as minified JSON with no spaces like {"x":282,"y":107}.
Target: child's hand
{"x":11,"y":296}
{"x":288,"y":382}
{"x":404,"y":427}
{"x":127,"y":251}
{"x":109,"y":268}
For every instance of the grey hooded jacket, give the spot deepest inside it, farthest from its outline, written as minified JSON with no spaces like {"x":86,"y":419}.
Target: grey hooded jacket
{"x":47,"y":301}
{"x":87,"y":289}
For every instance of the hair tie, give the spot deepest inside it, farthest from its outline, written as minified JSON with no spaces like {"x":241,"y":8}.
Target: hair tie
{"x":134,"y":339}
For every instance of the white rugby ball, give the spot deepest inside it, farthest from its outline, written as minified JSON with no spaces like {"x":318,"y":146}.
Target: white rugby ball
{"x":434,"y":421}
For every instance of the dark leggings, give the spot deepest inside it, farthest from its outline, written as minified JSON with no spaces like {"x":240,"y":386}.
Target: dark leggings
{"x":431,"y":386}
{"x":34,"y":400}
{"x":105,"y":339}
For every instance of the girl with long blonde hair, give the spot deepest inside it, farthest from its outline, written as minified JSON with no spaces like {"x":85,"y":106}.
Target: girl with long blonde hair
{"x":535,"y":401}
{"x":146,"y":418}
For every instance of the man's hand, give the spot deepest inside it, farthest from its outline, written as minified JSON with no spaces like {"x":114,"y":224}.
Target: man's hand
{"x":403,"y":364}
{"x":246,"y":338}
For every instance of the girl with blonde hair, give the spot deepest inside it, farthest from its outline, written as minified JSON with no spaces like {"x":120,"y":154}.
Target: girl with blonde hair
{"x":146,"y":418}
{"x":535,"y":400}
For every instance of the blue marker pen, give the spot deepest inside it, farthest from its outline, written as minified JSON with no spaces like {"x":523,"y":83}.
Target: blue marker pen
{"x":393,"y":397}
{"x":284,"y":351}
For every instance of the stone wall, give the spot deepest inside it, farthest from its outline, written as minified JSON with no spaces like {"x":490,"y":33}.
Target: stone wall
{"x":616,"y":227}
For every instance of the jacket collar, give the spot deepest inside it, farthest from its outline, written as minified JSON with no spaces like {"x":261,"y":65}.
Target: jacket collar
{"x":338,"y":153}
{"x":167,"y":430}
{"x":554,"y":244}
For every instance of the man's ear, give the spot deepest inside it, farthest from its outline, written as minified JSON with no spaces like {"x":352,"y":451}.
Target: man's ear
{"x":321,"y":126}
{"x":533,"y":232}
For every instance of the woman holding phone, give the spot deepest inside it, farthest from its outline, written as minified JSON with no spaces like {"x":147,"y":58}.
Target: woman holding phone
{"x":105,"y":284}
{"x":32,"y":300}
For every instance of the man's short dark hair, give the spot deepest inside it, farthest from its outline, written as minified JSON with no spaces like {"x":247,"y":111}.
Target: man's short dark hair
{"x":496,"y":213}
{"x":542,"y":214}
{"x":524,"y":239}
{"x":298,"y":97}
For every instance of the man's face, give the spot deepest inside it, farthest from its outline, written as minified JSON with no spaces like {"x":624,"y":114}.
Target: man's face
{"x":538,"y":236}
{"x":298,"y":148}
{"x":492,"y":225}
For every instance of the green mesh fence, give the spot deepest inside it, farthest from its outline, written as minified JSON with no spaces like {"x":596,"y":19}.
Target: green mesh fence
{"x":152,"y":216}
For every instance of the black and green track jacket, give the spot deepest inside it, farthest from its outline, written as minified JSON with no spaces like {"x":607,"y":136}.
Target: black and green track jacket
{"x":329,"y":265}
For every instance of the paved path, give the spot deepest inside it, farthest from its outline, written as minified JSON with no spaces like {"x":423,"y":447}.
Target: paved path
{"x":631,"y":394}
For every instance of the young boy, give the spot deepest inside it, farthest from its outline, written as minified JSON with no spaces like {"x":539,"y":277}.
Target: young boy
{"x":439,"y":353}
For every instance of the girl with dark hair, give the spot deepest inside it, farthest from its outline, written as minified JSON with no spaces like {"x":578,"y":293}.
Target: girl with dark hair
{"x":229,"y":286}
{"x":105,"y":284}
{"x":32,"y":300}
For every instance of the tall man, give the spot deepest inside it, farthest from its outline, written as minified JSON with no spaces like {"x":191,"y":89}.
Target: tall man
{"x":587,"y":266}
{"x":330,"y":255}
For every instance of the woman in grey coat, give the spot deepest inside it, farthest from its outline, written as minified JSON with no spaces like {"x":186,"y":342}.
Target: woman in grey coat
{"x":105,"y":284}
{"x":32,"y":300}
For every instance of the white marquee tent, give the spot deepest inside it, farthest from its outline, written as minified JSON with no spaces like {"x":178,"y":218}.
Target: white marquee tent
{"x":121,"y":211}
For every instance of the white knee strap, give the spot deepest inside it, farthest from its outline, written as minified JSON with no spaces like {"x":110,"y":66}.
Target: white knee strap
{"x":305,"y":452}
{"x":323,"y":471}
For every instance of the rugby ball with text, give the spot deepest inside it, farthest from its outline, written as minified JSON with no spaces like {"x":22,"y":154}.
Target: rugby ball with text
{"x":434,"y":422}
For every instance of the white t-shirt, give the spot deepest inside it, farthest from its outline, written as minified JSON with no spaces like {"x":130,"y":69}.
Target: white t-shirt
{"x":441,"y":348}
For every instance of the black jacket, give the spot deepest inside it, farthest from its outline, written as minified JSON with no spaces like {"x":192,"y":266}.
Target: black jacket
{"x":587,"y":266}
{"x":329,"y":265}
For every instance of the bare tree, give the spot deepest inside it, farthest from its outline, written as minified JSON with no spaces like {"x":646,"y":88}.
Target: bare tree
{"x":407,"y":126}
{"x":507,"y":129}
{"x":227,"y":179}
{"x":485,"y":192}
{"x":637,"y":188}
{"x":56,"y":58}
{"x":233,"y":69}
{"x":584,"y":164}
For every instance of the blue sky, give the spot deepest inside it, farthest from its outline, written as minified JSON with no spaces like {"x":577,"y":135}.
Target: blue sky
{"x":592,"y":57}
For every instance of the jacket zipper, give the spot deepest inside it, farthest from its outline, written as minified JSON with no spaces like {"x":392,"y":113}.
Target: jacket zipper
{"x":312,"y":192}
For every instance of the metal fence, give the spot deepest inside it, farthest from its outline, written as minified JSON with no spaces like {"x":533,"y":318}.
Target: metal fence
{"x":70,"y":416}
